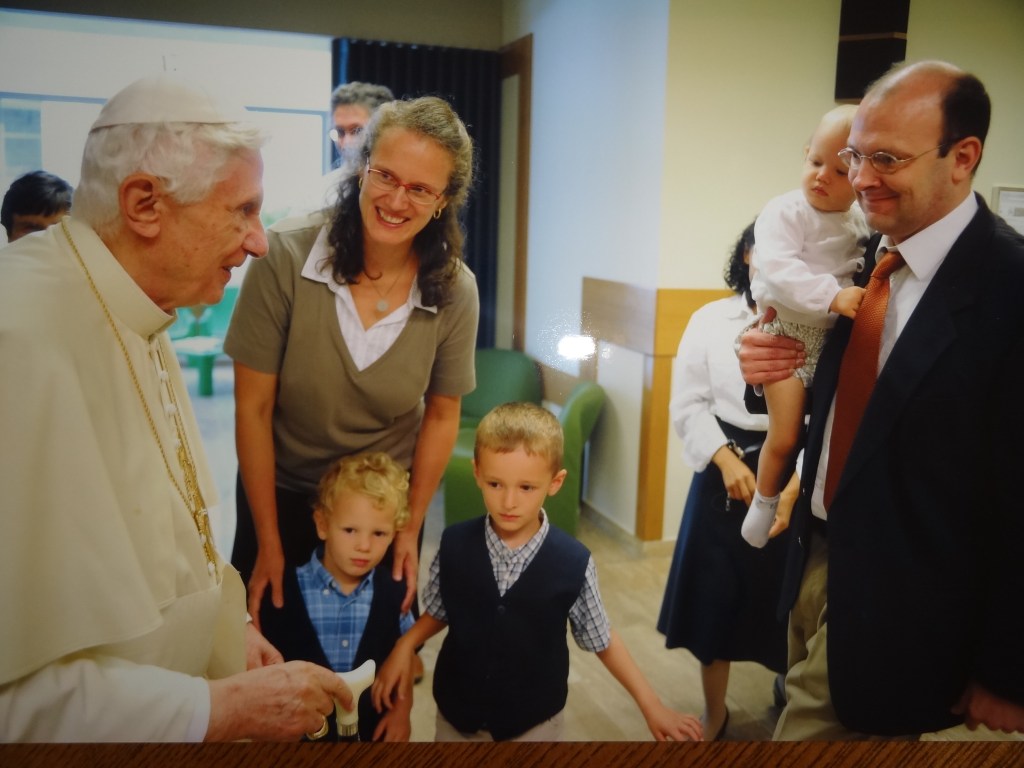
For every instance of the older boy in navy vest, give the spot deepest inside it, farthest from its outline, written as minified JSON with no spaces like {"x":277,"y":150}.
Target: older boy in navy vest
{"x":504,"y":585}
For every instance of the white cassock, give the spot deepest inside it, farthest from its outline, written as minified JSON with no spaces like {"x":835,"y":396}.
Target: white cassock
{"x":112,"y":615}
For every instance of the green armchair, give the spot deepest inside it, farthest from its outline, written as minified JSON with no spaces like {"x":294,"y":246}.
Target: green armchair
{"x":462,"y":499}
{"x":502,"y":376}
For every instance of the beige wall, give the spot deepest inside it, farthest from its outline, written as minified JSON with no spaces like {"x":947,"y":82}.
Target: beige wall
{"x":460,"y":23}
{"x":597,"y":147}
{"x":986,"y":38}
{"x":746,"y":85}
{"x":745,"y":88}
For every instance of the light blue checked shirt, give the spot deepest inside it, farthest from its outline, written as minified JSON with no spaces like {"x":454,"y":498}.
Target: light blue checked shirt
{"x":339,"y":619}
{"x":588,"y":619}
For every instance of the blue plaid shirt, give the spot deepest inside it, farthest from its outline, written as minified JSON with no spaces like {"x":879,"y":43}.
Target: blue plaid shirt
{"x":588,"y":619}
{"x":339,"y":619}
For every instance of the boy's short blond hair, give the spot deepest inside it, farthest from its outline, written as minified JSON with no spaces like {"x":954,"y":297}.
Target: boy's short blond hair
{"x":521,"y":425}
{"x":373,"y":474}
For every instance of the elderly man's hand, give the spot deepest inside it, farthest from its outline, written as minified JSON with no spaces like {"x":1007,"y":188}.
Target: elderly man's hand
{"x":766,"y":358}
{"x":280,"y":702}
{"x":258,"y":650}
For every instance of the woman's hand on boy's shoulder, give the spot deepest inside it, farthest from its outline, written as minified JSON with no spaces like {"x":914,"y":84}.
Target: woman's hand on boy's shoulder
{"x":406,"y":564}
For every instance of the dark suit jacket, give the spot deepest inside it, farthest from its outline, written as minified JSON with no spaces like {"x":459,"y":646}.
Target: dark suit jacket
{"x":926,"y":531}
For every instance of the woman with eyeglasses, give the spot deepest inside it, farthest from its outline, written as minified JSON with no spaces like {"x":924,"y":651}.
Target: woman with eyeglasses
{"x":355,"y":333}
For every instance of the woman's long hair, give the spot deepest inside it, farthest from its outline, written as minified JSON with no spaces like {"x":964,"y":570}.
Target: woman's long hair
{"x":439,"y":244}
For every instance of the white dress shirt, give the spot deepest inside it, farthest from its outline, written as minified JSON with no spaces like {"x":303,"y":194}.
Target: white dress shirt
{"x":365,"y":345}
{"x":706,"y":381}
{"x":924,"y":253}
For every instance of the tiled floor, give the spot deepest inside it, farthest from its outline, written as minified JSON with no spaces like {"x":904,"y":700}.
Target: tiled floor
{"x":631,"y":583}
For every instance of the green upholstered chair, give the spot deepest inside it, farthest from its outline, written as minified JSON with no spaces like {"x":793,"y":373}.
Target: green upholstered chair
{"x":462,"y":499}
{"x":579,"y":417}
{"x":203,"y":342}
{"x":502,"y":376}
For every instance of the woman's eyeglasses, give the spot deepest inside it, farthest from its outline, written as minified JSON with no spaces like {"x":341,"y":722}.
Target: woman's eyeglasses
{"x":385,"y":182}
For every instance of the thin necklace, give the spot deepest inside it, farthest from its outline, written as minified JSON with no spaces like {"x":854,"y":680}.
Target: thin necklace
{"x":382,"y":302}
{"x":191,"y":495}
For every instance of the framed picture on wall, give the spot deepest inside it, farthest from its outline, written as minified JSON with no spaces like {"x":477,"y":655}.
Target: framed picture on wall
{"x":1008,"y":202}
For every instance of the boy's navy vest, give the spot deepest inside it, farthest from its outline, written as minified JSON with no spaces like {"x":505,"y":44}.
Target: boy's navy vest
{"x":290,"y":630}
{"x":504,"y":665}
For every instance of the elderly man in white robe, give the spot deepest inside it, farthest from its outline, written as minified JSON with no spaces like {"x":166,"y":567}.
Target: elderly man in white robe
{"x":121,"y":622}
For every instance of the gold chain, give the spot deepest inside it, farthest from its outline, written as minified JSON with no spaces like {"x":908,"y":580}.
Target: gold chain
{"x":192,"y":496}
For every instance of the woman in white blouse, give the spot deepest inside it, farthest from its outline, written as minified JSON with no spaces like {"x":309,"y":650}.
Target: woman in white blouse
{"x":721,"y":597}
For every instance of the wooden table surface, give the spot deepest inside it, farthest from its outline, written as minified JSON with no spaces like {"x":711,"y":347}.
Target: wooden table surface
{"x":563,"y":755}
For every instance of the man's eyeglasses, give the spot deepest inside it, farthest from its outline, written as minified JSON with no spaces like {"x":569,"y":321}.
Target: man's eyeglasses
{"x":882,"y":162}
{"x":339,"y":134}
{"x":385,"y":182}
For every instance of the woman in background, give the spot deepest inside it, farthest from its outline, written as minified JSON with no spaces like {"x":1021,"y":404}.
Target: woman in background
{"x":721,"y":597}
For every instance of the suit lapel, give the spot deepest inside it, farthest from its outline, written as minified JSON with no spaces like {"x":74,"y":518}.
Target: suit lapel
{"x":928,"y":333}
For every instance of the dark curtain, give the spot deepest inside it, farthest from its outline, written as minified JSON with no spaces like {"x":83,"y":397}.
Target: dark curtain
{"x":470,"y":81}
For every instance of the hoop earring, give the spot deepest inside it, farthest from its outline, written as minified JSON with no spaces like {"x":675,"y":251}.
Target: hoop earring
{"x":437,"y":213}
{"x":359,"y":183}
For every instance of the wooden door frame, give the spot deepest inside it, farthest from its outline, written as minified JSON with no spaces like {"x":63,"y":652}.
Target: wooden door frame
{"x":516,"y":59}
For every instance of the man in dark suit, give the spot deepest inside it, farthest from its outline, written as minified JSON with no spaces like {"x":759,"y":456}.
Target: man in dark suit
{"x":905,"y":589}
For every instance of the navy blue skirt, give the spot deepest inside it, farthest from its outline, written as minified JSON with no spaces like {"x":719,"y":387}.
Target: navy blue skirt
{"x":722,"y":597}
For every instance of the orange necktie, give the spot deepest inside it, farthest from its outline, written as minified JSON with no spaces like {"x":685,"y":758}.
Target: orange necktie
{"x":859,"y":369}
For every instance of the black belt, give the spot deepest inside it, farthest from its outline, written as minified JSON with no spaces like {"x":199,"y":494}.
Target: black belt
{"x":742,"y":442}
{"x":819,"y":526}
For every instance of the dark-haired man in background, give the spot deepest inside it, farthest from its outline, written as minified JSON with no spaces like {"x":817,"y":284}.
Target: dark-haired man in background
{"x":34,"y":202}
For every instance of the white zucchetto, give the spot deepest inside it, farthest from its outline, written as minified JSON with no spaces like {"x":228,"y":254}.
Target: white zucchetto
{"x":167,"y":98}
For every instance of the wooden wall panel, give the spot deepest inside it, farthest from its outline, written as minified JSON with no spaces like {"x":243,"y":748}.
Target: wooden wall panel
{"x":651,"y":322}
